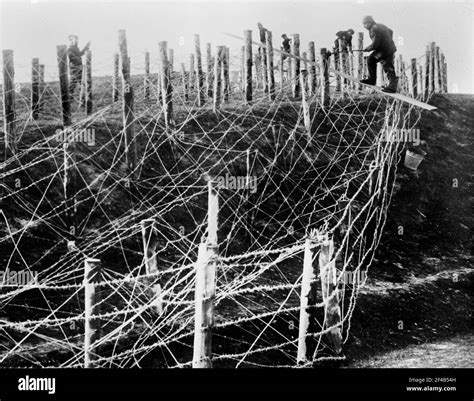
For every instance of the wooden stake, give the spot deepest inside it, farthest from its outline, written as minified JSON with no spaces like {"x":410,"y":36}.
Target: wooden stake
{"x":35,"y":88}
{"x":307,"y":300}
{"x":248,"y":65}
{"x":210,"y":66}
{"x":218,"y":77}
{"x":146,"y":79}
{"x":324,"y":77}
{"x":304,"y":102}
{"x":270,"y":73}
{"x":432,"y":68}
{"x":282,"y":76}
{"x":342,"y":65}
{"x":150,"y":245}
{"x":414,"y":78}
{"x":166,"y":88}
{"x":427,"y":73}
{"x":200,"y":77}
{"x":421,"y":89}
{"x":64,"y":84}
{"x":88,"y":82}
{"x":332,"y":315}
{"x":360,"y":57}
{"x":185,"y":83}
{"x":438,"y":71}
{"x":380,"y":74}
{"x":115,"y":81}
{"x":312,"y":69}
{"x":42,"y":88}
{"x":93,"y":326}
{"x":205,"y":285}
{"x":242,"y":69}
{"x":191,"y":71}
{"x":295,"y":63}
{"x":225,"y":74}
{"x":9,"y":100}
{"x":127,"y":108}
{"x":171,"y":60}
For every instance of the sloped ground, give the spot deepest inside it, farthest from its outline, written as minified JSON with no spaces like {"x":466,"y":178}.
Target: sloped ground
{"x":419,"y":288}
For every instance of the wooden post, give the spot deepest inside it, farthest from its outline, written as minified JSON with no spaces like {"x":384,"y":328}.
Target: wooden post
{"x":263,"y":65}
{"x":166,"y":88}
{"x":88,"y":82}
{"x":360,"y":57}
{"x":304,"y":102}
{"x":205,"y":285}
{"x":200,"y":78}
{"x":324,"y":77}
{"x":42,"y":87}
{"x":332,"y":311}
{"x":432,"y":68}
{"x":146,"y":79}
{"x":191,"y":71}
{"x":270,"y":73}
{"x":295,"y":64}
{"x":115,"y":81}
{"x":35,"y":88}
{"x":365,"y":71}
{"x":444,"y":76}
{"x":414,"y":78}
{"x":92,"y":309}
{"x":380,"y":74}
{"x":342,"y":65}
{"x":312,"y":69}
{"x":150,"y":245}
{"x":127,"y":108}
{"x":218,"y":77}
{"x":225,"y":74}
{"x":64,"y":84}
{"x":438,"y":71}
{"x":248,"y":65}
{"x":258,"y":70}
{"x":171,"y":60}
{"x":282,"y":72}
{"x":307,"y":300}
{"x":421,"y":90}
{"x":242,"y":69}
{"x":9,"y":100}
{"x":210,"y":66}
{"x":185,"y":83}
{"x":427,"y":73}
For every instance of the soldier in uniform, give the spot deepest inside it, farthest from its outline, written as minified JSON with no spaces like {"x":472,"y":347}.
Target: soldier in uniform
{"x":383,"y":49}
{"x":346,"y":37}
{"x":75,"y":62}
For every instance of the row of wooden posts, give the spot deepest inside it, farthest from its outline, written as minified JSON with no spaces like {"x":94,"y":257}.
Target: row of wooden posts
{"x":214,"y":86}
{"x":205,"y":287}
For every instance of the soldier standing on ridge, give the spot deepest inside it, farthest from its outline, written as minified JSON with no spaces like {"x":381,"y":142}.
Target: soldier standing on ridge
{"x":75,"y":62}
{"x":383,"y":49}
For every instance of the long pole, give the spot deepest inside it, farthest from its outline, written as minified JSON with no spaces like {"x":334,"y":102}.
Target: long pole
{"x":9,"y":100}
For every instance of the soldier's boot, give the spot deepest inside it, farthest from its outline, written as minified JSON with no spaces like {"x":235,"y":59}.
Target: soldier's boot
{"x":392,"y":86}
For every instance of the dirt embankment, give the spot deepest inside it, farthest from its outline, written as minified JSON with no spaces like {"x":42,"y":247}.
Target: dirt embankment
{"x":419,"y":288}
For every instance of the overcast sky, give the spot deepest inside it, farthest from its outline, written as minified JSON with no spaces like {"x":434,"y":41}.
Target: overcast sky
{"x":34,"y":28}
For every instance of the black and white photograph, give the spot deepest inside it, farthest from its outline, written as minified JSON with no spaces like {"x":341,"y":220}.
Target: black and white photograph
{"x":269,"y":199}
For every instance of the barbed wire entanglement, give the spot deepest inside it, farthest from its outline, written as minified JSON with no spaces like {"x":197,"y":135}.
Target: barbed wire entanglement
{"x":265,"y":190}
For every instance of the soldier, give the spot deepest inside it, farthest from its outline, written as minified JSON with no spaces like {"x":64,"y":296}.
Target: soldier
{"x":383,"y":49}
{"x":285,"y":45}
{"x":346,"y":37}
{"x":75,"y":62}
